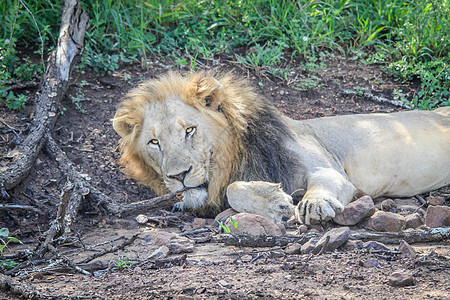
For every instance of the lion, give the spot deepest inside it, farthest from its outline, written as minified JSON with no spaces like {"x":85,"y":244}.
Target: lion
{"x":199,"y":133}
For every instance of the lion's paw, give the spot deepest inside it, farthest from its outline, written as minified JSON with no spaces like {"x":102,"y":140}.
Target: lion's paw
{"x":315,"y":209}
{"x":193,"y":198}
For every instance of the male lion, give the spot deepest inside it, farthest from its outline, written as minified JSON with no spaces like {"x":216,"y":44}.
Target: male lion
{"x":200,"y":133}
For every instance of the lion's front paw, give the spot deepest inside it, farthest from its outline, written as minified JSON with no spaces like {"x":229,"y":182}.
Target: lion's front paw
{"x":192,"y":199}
{"x":314,"y":209}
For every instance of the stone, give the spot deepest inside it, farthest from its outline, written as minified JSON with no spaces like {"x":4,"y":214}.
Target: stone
{"x":437,"y":216}
{"x":338,"y":236}
{"x":142,"y":219}
{"x":293,"y":249}
{"x":370,"y":263}
{"x":253,"y":225}
{"x":406,"y":250}
{"x":386,"y":222}
{"x":176,"y":244}
{"x":198,"y":223}
{"x":160,"y":253}
{"x":435,"y":200}
{"x":225,"y":215}
{"x":375,"y":246}
{"x":352,"y":245}
{"x":302,"y":229}
{"x":356,"y":211}
{"x":309,"y":246}
{"x":401,"y":278}
{"x":388,"y":205}
{"x":414,"y":220}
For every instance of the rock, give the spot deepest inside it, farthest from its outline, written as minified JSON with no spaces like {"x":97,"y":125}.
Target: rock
{"x":160,"y":253}
{"x":435,"y":200}
{"x":225,"y":215}
{"x":388,"y":205}
{"x":370,"y":263}
{"x":401,"y":278}
{"x":302,"y":229}
{"x":253,"y":224}
{"x":386,"y":222}
{"x":351,"y":245}
{"x":406,"y":250}
{"x":356,"y":211}
{"x":223,"y":283}
{"x":437,"y":216}
{"x":409,"y":209}
{"x":141,"y":219}
{"x":414,"y":220}
{"x":375,"y":246}
{"x":293,"y":249}
{"x":176,"y":244}
{"x":338,"y":236}
{"x":309,"y":246}
{"x":198,"y":223}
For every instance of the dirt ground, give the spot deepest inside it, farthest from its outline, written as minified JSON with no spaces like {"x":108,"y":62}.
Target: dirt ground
{"x":212,"y":270}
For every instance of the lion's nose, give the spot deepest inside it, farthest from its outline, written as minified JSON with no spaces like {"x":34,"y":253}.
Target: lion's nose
{"x":180,"y":176}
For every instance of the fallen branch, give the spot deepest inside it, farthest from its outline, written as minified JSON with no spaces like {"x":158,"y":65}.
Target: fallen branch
{"x":26,"y":291}
{"x":19,"y":207}
{"x":376,"y":98}
{"x":113,"y":249}
{"x":411,"y":237}
{"x":123,"y":210}
{"x":53,"y":88}
{"x":246,"y":240}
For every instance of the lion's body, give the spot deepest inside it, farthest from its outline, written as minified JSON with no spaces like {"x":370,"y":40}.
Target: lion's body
{"x":199,"y":134}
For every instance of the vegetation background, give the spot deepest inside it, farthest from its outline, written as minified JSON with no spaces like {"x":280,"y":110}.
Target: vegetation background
{"x":409,"y":38}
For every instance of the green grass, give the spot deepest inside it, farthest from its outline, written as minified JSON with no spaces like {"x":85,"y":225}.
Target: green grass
{"x":411,"y":38}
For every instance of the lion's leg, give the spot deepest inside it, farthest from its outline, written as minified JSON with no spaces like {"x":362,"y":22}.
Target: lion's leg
{"x":327,"y":194}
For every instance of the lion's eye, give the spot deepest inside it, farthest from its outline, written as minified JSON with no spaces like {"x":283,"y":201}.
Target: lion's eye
{"x":154,"y":142}
{"x":190,"y":130}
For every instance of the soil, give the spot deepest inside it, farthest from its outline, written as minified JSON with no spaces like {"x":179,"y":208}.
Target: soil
{"x":212,"y":270}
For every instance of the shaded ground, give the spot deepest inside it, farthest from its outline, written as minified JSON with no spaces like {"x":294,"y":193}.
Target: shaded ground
{"x":212,"y":270}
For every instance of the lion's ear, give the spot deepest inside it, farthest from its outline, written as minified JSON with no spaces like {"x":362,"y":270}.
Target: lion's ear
{"x":209,"y":90}
{"x":124,"y":122}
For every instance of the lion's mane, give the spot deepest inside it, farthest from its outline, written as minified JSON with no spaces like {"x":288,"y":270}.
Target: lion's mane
{"x":250,"y":148}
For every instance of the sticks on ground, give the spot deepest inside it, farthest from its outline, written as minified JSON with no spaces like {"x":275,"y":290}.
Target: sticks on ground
{"x":411,"y":237}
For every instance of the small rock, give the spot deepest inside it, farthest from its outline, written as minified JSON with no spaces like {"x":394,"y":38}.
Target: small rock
{"x":338,"y":236}
{"x":406,"y":250}
{"x":160,"y":253}
{"x":386,"y":222}
{"x":253,"y":224}
{"x":142,"y":219}
{"x":401,"y":278}
{"x":223,"y":283}
{"x":370,"y":263}
{"x":351,"y":245}
{"x":388,"y":205}
{"x":293,"y":249}
{"x":198,"y":223}
{"x":176,"y":244}
{"x":375,"y":246}
{"x":225,"y":215}
{"x":302,"y":229}
{"x":356,"y":211}
{"x":409,"y":209}
{"x":309,"y":246}
{"x":414,"y":220}
{"x":437,"y":216}
{"x":435,"y":200}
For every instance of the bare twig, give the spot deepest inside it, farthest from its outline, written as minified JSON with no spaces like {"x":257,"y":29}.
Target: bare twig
{"x":123,"y":210}
{"x":19,"y":207}
{"x":416,"y":236}
{"x":377,"y":98}
{"x":113,"y":249}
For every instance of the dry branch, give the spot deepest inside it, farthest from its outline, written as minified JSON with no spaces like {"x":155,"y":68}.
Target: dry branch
{"x":246,"y":240}
{"x":53,"y":87}
{"x":411,"y":237}
{"x":18,"y":288}
{"x":123,"y":210}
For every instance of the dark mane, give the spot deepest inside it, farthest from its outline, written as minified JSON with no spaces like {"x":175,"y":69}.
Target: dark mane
{"x":263,"y":156}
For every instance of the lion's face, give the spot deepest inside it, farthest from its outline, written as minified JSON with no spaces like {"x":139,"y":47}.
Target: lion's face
{"x":176,"y":140}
